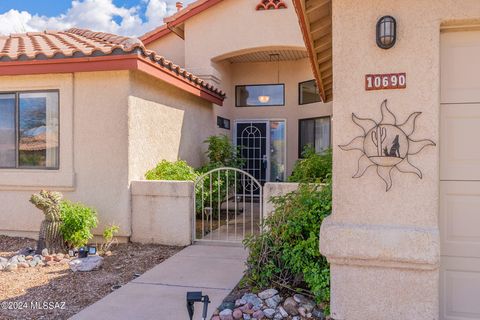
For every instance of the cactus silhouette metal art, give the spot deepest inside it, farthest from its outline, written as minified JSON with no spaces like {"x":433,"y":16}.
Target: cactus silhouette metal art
{"x":386,"y":145}
{"x":49,"y":236}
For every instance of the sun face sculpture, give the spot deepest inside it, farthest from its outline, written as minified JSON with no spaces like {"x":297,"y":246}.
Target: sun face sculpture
{"x":386,"y":145}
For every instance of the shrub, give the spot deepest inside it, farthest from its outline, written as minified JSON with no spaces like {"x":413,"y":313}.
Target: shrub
{"x":286,"y":254}
{"x":108,"y":237}
{"x":166,"y":170}
{"x":313,"y":167}
{"x":77,"y":222}
{"x":221,"y":153}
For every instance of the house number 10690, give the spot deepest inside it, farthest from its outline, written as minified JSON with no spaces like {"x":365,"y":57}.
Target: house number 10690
{"x":385,"y":81}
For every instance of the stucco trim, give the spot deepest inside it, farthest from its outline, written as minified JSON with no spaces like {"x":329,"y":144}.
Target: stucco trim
{"x":380,"y":245}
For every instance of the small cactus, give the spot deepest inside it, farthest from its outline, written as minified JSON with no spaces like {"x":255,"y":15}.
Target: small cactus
{"x":378,"y":137}
{"x":49,"y":236}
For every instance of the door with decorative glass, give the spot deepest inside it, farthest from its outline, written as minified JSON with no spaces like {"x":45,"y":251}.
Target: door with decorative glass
{"x":262,"y":147}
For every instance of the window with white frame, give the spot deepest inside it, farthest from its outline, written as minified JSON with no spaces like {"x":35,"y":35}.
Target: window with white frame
{"x":29,"y":130}
{"x":314,"y":132}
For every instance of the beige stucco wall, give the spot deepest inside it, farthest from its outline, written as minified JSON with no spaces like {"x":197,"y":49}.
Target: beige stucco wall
{"x":162,"y":212}
{"x":369,"y":236}
{"x":165,"y":123}
{"x":93,"y":152}
{"x":171,"y":46}
{"x":291,"y":74}
{"x":113,"y":127}
{"x":235,"y":25}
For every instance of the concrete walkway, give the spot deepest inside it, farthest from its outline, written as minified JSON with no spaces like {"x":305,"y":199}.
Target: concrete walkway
{"x":160,"y":293}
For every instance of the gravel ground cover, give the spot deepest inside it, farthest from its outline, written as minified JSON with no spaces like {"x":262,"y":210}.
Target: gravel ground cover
{"x":55,"y":292}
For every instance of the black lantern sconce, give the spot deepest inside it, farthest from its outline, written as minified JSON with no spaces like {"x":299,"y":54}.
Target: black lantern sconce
{"x":386,"y":32}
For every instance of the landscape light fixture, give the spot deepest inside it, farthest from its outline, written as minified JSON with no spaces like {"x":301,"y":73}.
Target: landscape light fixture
{"x":196,"y":296}
{"x":386,"y":32}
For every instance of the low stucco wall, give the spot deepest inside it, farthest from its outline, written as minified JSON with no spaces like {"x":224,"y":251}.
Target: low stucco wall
{"x":162,"y":212}
{"x":275,"y":189}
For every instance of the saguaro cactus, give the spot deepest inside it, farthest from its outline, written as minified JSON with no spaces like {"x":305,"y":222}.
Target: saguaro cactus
{"x":378,"y":137}
{"x":49,"y":236}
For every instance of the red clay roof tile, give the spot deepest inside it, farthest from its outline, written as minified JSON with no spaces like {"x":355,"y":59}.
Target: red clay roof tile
{"x":80,"y":43}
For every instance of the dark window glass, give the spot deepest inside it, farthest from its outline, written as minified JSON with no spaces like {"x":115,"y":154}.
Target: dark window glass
{"x":308,"y":92}
{"x":223,"y":123}
{"x":260,"y":95}
{"x":314,"y":132}
{"x":7,"y":131}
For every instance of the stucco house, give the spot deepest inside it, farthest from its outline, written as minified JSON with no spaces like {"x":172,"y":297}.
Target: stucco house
{"x":412,"y":252}
{"x":86,"y":113}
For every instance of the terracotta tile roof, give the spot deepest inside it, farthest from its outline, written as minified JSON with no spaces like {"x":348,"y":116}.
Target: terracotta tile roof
{"x":81,"y":43}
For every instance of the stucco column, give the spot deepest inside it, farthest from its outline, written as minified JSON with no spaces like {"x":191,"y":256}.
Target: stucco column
{"x":383,"y":246}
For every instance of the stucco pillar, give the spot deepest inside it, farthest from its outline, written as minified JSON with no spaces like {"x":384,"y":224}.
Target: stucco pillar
{"x":383,"y":246}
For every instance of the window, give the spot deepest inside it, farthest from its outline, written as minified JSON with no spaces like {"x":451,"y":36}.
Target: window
{"x":308,"y":92}
{"x":223,"y":123}
{"x":260,"y":95}
{"x":29,"y":130}
{"x":314,"y":132}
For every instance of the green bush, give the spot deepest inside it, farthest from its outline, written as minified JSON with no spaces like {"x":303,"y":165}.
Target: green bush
{"x":221,"y":153}
{"x":77,"y":222}
{"x":166,"y":170}
{"x":313,"y":167}
{"x":286,"y":254}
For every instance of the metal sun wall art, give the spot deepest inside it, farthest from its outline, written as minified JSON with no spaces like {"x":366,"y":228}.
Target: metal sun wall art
{"x":386,"y":145}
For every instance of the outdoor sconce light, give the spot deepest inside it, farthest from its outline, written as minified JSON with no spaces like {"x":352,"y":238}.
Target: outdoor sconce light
{"x":386,"y":32}
{"x":196,"y":296}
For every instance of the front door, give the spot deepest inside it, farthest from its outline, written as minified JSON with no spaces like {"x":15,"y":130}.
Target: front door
{"x":252,"y":138}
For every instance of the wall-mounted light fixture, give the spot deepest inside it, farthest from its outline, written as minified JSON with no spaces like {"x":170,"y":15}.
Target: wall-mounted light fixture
{"x":386,"y":32}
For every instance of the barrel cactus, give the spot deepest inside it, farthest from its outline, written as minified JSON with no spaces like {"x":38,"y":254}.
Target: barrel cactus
{"x":49,"y":236}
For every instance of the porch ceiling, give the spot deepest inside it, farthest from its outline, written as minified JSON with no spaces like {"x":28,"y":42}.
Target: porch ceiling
{"x":315,"y":18}
{"x":265,"y":56}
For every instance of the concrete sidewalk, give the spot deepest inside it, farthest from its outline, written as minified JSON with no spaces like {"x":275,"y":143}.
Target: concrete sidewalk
{"x":160,"y":293}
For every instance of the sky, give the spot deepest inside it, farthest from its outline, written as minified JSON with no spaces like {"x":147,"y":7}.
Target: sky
{"x":124,"y":17}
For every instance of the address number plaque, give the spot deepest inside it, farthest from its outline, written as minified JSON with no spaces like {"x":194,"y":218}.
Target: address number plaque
{"x":385,"y":81}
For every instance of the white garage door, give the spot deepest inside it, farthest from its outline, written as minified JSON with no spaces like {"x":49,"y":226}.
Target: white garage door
{"x":460,"y":176}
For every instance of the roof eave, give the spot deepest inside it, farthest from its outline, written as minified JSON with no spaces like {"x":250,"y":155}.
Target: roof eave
{"x":107,"y":63}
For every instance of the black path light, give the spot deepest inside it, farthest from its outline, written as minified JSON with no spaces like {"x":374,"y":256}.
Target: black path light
{"x":386,"y":32}
{"x":197,"y":296}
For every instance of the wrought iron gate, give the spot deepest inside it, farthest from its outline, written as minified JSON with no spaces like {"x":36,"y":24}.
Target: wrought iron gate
{"x":227,"y":206}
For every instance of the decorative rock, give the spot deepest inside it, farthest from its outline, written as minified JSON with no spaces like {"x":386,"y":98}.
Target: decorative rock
{"x":302,"y":311}
{"x":45,"y":252}
{"x":273,"y":301}
{"x":247,"y":308}
{"x":308,"y":304}
{"x":290,"y":305}
{"x":23,"y":265}
{"x":29,"y":258}
{"x":13,"y":259}
{"x":21,"y":258}
{"x":237,"y":314}
{"x":240,"y":302}
{"x":108,"y":253}
{"x":278,"y":316}
{"x":282,"y":312}
{"x":252,"y":298}
{"x":32,"y":263}
{"x":1,"y":267}
{"x":267,"y":294}
{"x":269,"y":313}
{"x":48,"y":258}
{"x":318,"y":314}
{"x":296,"y":318}
{"x":258,"y":314}
{"x":226,"y":305}
{"x":215,"y":318}
{"x":246,"y":316}
{"x":86,"y":264}
{"x":11,"y":267}
{"x":226,"y":314}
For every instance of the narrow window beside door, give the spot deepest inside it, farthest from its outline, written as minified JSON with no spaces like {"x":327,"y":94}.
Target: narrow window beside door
{"x":29,"y":130}
{"x":314,"y":132}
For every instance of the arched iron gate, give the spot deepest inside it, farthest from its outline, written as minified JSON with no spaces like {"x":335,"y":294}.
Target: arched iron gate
{"x":227,"y":206}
